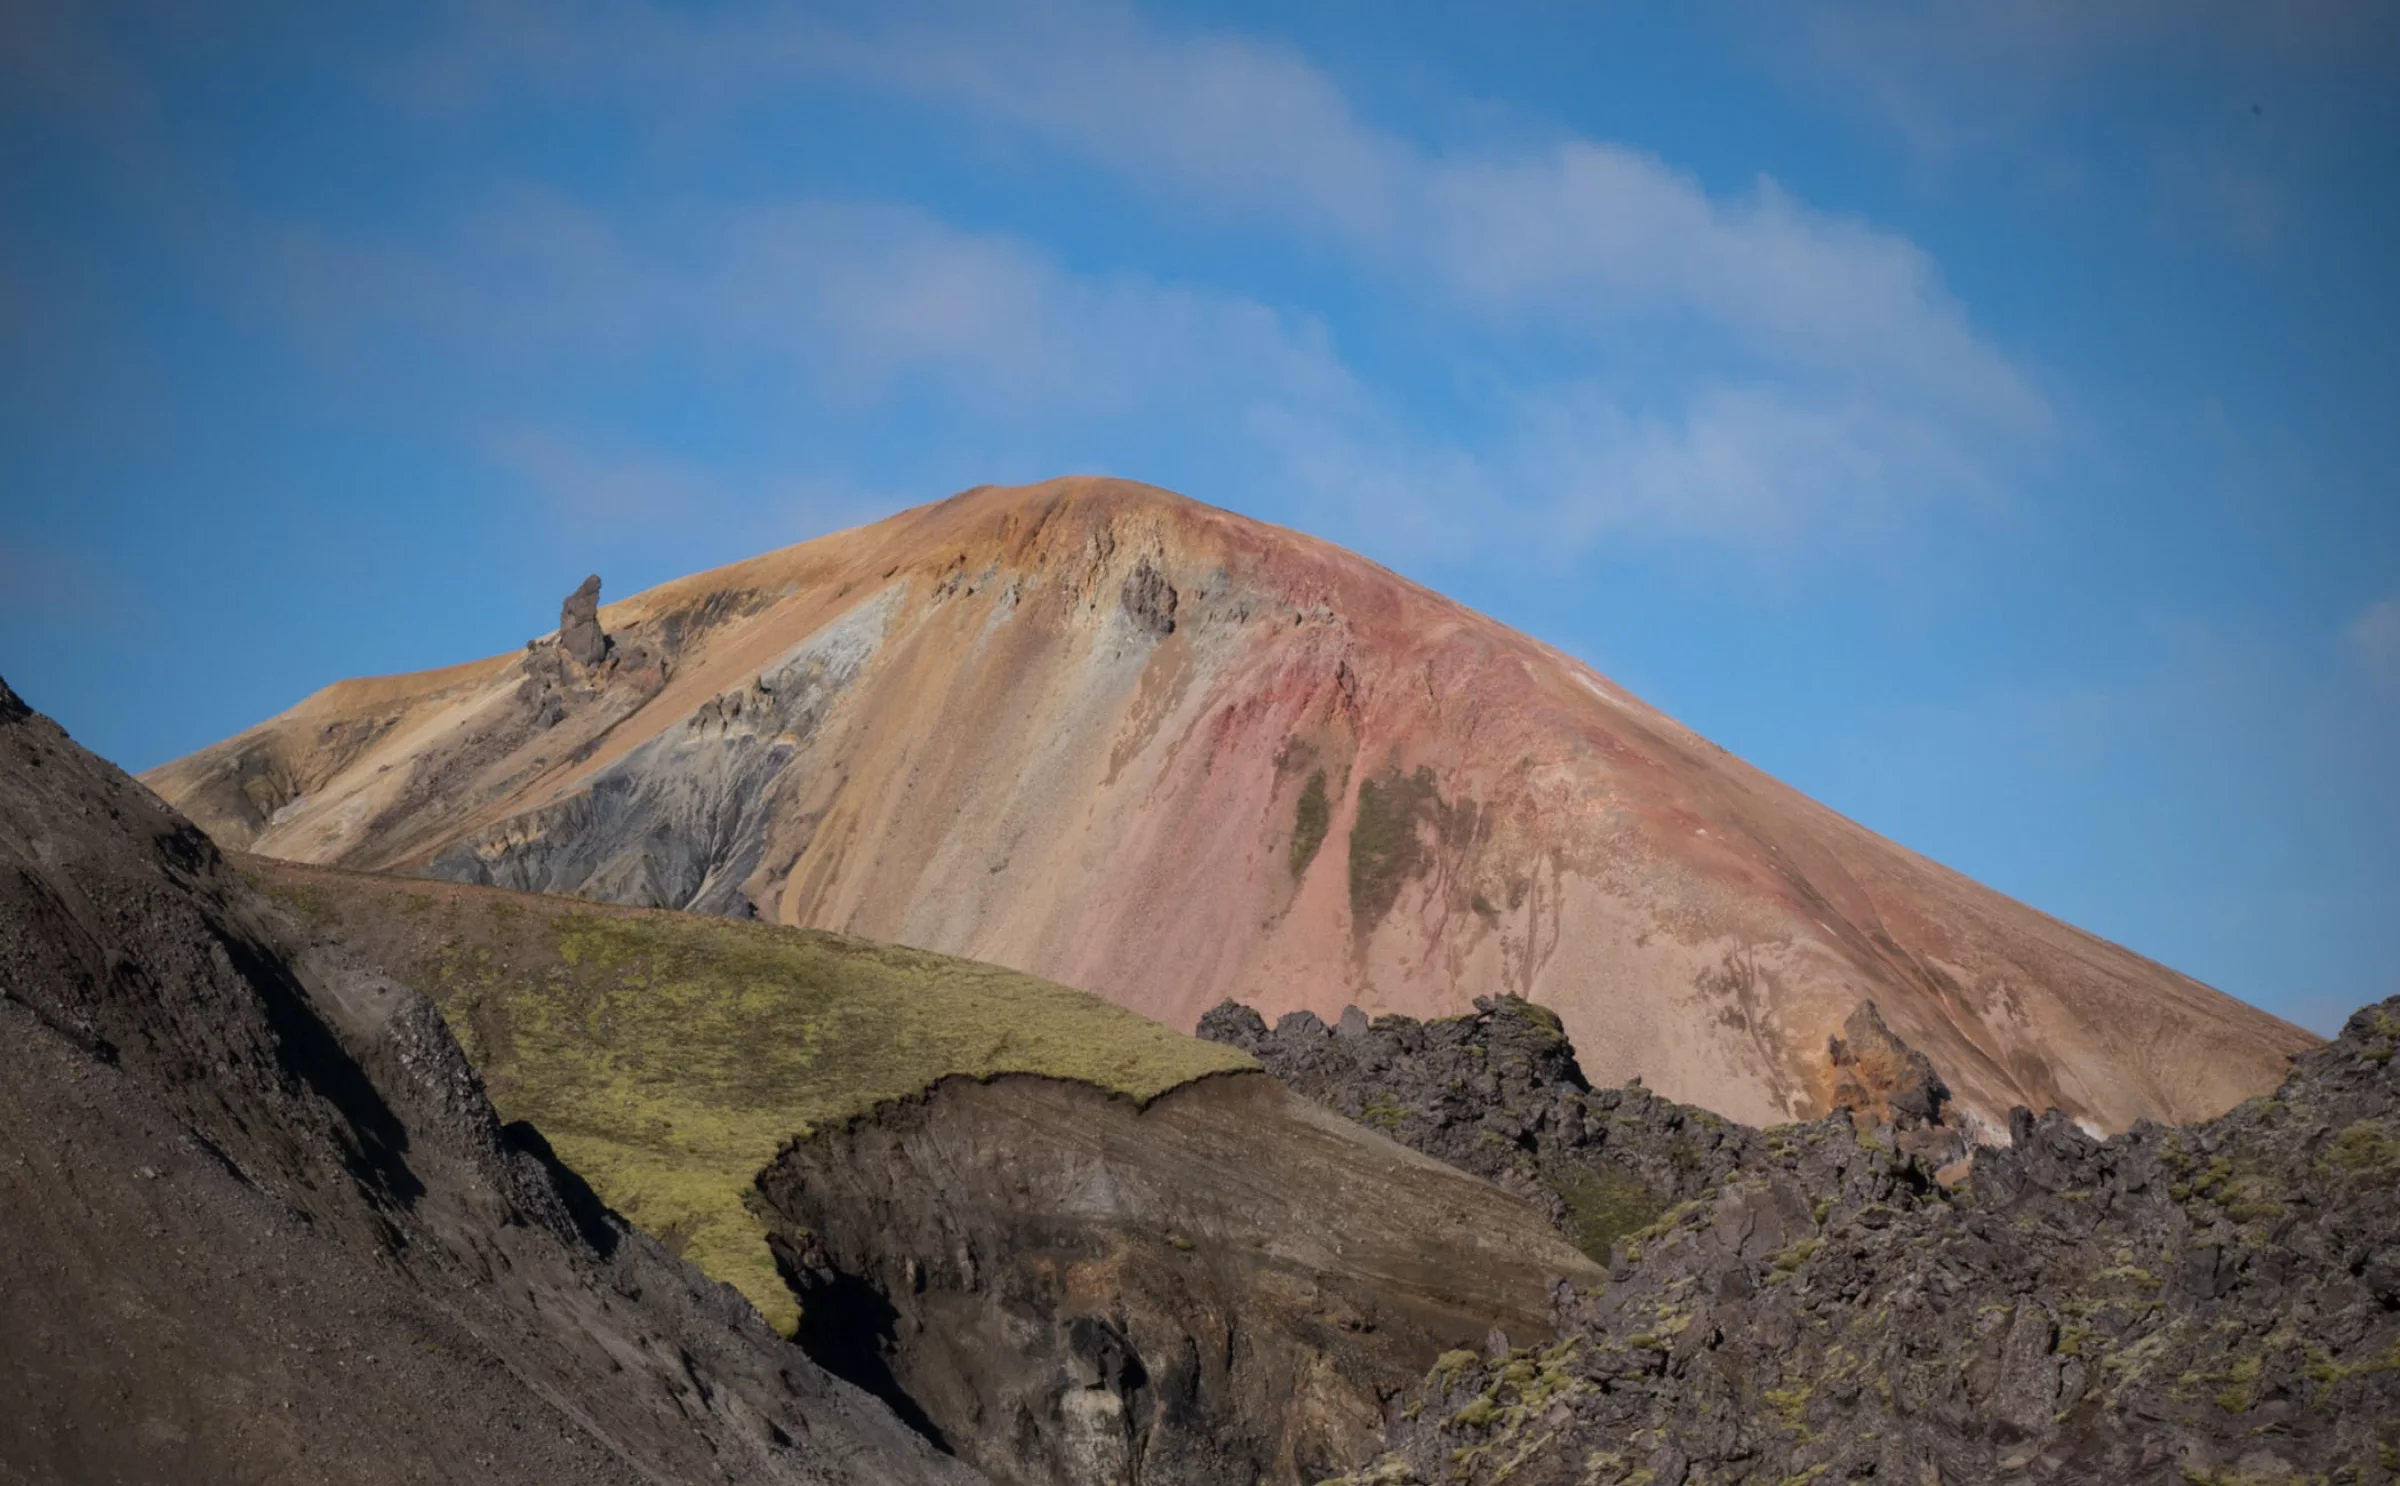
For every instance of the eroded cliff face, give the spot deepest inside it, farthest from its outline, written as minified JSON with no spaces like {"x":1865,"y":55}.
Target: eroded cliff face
{"x":1097,"y":732}
{"x":1225,"y":1286}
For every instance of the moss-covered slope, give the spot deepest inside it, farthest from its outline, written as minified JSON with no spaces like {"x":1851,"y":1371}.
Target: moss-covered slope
{"x":668,"y":1057}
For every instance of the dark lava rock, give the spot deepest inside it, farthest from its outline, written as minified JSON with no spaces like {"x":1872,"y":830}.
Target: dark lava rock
{"x":2216,"y":1303}
{"x":1499,"y":1093}
{"x":259,"y":1223}
{"x":579,"y":624}
{"x":1149,"y":599}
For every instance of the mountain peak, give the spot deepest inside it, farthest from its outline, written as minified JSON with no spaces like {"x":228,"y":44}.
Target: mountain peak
{"x":1094,"y":730}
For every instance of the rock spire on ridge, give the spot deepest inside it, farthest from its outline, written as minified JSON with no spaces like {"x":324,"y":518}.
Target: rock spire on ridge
{"x":579,"y":624}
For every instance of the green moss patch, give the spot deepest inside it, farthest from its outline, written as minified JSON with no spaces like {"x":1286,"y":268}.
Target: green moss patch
{"x":1385,"y":848}
{"x":1310,"y":820}
{"x":2365,"y":1150}
{"x":1603,"y":1206}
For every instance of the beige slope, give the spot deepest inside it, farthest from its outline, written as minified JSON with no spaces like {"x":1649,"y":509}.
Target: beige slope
{"x":1075,"y":728}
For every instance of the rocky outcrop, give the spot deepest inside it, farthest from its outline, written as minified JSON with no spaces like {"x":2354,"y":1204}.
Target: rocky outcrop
{"x":1150,"y":599}
{"x":1224,"y":1286}
{"x":1883,"y":1081}
{"x":2215,"y":1303}
{"x":1500,"y":1094}
{"x":683,"y":820}
{"x":258,"y":1222}
{"x":471,"y":734}
{"x":579,"y":632}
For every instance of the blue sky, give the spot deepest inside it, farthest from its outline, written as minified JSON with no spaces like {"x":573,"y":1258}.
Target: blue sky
{"x":1982,"y":416}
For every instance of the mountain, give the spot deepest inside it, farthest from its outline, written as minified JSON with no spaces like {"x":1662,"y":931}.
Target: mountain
{"x":258,"y":1222}
{"x":1110,"y":736}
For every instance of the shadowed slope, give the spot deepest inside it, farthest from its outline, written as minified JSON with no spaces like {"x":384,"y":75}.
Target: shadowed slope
{"x":258,"y":1223}
{"x":1132,"y":743}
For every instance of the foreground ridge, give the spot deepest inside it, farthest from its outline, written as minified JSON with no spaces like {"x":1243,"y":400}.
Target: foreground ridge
{"x":258,"y":1222}
{"x":2213,"y":1303}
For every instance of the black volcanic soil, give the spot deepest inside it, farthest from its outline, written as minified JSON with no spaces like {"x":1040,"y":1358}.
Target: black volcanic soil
{"x":258,"y":1223}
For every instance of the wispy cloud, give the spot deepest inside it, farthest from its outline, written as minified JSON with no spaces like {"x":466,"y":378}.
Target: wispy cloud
{"x":2374,"y":638}
{"x":589,"y":478}
{"x":1735,"y":368}
{"x":846,"y":299}
{"x":1967,"y":75}
{"x":859,"y":304}
{"x":1578,"y":228}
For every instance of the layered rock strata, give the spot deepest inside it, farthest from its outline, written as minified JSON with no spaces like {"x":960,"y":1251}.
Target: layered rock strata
{"x":1224,"y":1286}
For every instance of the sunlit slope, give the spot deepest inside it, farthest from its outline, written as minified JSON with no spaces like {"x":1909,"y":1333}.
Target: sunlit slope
{"x":1113,"y":737}
{"x":667,"y":1056}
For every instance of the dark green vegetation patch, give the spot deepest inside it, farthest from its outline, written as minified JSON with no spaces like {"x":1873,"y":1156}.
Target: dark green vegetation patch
{"x":1385,"y":847}
{"x":1603,"y":1205}
{"x":1310,"y":819}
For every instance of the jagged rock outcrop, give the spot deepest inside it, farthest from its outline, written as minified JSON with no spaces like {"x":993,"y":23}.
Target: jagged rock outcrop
{"x":579,"y":632}
{"x":1500,"y":1093}
{"x":258,"y":1222}
{"x":2216,"y":1303}
{"x":1223,"y":1286}
{"x":1882,"y":1080}
{"x":1094,"y":731}
{"x":439,"y":746}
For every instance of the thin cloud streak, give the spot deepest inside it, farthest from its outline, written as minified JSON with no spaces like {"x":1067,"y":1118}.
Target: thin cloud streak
{"x":862,"y":305}
{"x":2374,"y":638}
{"x":1583,"y":231}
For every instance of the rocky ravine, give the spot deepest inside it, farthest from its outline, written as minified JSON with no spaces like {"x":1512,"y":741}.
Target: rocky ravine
{"x":2218,"y":1303}
{"x":1113,"y":737}
{"x":258,"y":1223}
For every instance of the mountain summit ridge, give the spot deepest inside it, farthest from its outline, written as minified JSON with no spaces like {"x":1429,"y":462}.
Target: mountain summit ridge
{"x":1100,"y":732}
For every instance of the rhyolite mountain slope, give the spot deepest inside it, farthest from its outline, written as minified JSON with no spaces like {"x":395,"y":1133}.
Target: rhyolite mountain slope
{"x":1101,"y":733}
{"x":258,"y":1223}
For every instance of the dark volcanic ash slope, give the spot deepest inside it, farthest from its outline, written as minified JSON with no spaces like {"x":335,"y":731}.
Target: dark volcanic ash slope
{"x":2218,"y":1303}
{"x":257,"y":1221}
